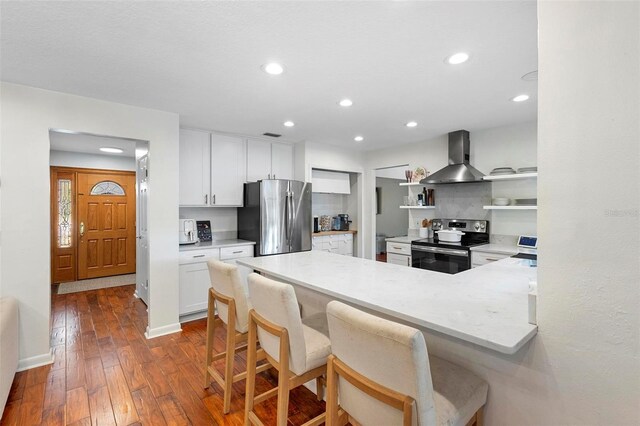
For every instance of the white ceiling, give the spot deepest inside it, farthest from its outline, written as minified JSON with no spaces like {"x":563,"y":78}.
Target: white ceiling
{"x":90,"y":144}
{"x":202,"y":60}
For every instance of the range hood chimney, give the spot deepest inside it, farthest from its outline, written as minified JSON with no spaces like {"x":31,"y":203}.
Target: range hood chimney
{"x":459,"y":170}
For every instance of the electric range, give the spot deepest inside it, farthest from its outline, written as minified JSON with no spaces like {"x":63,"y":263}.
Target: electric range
{"x":449,"y":257}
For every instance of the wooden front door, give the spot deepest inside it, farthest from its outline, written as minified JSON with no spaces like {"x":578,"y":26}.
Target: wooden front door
{"x":106,"y":224}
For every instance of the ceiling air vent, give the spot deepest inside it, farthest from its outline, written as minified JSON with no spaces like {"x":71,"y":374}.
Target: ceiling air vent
{"x":273,"y":135}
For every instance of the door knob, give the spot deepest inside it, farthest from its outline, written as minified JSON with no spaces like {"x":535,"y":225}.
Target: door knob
{"x":81,"y":229}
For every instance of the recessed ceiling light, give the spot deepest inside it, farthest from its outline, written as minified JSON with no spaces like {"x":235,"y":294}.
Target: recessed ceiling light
{"x":358,"y":139}
{"x":411,"y":124}
{"x":111,"y":150}
{"x":457,"y":58}
{"x":520,"y":98}
{"x":289,"y":124}
{"x":273,"y":68}
{"x":345,"y":102}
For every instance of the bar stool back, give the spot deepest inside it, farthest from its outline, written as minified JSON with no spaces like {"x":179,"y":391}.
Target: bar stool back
{"x":382,"y":374}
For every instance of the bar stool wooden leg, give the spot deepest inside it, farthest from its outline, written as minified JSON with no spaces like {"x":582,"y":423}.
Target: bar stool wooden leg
{"x":229,"y":361}
{"x":211,"y":329}
{"x":251,"y":371}
{"x":332,"y":393}
{"x":283,"y":380}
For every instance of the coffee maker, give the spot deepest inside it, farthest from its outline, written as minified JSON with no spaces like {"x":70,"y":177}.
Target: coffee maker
{"x":343,"y":222}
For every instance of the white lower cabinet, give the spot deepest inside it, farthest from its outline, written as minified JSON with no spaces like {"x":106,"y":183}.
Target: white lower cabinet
{"x":479,"y":258}
{"x":398,"y":259}
{"x":338,"y":243}
{"x":399,"y":253}
{"x":194,"y":275}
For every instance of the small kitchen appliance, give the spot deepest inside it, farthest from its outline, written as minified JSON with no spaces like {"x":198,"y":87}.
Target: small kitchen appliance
{"x":187,"y":231}
{"x":204,"y":230}
{"x":435,"y":254}
{"x":344,"y":222}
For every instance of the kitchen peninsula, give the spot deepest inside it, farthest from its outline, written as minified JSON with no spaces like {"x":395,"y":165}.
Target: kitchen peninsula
{"x":486,"y":306}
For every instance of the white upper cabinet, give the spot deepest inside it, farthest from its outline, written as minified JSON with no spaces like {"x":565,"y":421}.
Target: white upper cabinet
{"x":228,"y":170}
{"x":194,"y":167}
{"x":330,"y":182}
{"x":269,"y":160}
{"x":258,"y":160}
{"x":281,"y":161}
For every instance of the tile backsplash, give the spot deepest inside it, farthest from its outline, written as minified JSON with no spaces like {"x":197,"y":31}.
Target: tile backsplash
{"x":329,"y":204}
{"x":463,"y":201}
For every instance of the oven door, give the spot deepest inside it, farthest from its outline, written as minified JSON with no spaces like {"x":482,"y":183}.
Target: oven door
{"x":450,"y":261}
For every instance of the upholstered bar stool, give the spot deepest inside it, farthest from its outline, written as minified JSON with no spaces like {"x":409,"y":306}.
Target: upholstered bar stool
{"x":296,"y":347}
{"x":381,"y":374}
{"x":229,"y":294}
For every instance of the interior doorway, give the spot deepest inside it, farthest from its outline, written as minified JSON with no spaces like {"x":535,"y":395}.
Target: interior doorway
{"x":390,"y":219}
{"x":98,"y":228}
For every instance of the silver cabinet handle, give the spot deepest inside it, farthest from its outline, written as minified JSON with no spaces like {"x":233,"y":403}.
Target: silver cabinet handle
{"x":214,"y":199}
{"x":491,"y":259}
{"x":237,"y":252}
{"x":206,"y":198}
{"x":199,"y":255}
{"x":274,"y":176}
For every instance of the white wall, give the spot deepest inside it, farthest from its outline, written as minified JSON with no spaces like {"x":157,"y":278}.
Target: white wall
{"x":589,"y":156}
{"x":392,"y":220}
{"x":27,"y":116}
{"x":91,"y":161}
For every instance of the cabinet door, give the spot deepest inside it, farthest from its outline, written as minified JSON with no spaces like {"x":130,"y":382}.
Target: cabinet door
{"x":281,"y":161}
{"x":258,"y":160}
{"x":228,"y":170}
{"x":195,"y":168}
{"x":398,"y":259}
{"x":194,"y":284}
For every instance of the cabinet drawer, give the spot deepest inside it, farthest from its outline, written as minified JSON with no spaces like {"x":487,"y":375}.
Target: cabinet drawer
{"x":236,"y":252}
{"x":399,"y":248}
{"x":479,"y":258}
{"x":195,"y":256}
{"x":398,"y":259}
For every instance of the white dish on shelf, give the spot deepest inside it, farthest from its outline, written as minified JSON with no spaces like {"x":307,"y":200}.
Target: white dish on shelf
{"x":501,"y":201}
{"x":533,"y":169}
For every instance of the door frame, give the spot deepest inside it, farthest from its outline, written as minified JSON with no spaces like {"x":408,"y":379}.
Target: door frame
{"x":74,"y":209}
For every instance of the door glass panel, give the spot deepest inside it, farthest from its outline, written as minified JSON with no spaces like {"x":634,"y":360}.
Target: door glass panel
{"x":64,"y":213}
{"x":107,"y":187}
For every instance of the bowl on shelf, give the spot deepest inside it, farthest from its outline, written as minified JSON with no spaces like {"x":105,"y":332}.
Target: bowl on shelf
{"x":533,"y":169}
{"x":501,"y":201}
{"x":502,"y":171}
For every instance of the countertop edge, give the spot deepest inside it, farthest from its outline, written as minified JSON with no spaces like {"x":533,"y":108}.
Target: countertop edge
{"x":508,"y":349}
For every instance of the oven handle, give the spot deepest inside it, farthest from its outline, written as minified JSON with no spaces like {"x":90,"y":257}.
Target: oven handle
{"x":439,"y":250}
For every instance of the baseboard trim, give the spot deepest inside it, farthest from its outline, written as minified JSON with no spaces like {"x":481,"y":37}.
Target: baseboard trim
{"x":36,"y":361}
{"x":162,"y":331}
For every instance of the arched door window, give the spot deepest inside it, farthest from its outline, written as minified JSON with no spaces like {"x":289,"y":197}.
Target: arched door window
{"x":107,"y":187}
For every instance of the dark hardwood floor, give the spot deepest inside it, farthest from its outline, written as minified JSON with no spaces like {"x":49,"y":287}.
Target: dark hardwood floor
{"x":107,"y":373}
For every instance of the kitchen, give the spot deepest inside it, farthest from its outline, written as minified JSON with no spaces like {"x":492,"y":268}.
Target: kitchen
{"x":542,"y":381}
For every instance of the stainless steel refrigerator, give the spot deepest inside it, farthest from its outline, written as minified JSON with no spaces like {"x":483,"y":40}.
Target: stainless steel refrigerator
{"x":277,"y":216}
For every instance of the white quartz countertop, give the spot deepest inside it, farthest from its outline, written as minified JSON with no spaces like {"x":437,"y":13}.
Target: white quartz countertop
{"x":405,"y":239}
{"x":215,"y":244}
{"x":487,"y":306}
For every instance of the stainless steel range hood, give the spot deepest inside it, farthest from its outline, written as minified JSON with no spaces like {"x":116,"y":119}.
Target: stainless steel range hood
{"x":459,"y":170}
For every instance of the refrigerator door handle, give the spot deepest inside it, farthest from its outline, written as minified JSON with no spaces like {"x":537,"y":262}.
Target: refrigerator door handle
{"x":289,"y":214}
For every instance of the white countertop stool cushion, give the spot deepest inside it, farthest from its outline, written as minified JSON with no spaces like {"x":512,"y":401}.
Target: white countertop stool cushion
{"x":225,"y":279}
{"x":394,"y":356}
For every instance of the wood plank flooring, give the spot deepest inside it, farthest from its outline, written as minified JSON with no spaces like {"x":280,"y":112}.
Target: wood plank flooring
{"x":106,"y":372}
